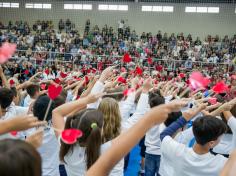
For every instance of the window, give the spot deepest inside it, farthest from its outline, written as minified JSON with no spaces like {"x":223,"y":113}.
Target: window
{"x":213,"y":10}
{"x":168,"y":8}
{"x":190,"y":9}
{"x":146,"y":8}
{"x":38,"y":6}
{"x":123,"y":7}
{"x":202,"y":9}
{"x":102,"y":7}
{"x":68,"y":6}
{"x":47,"y":6}
{"x":157,"y":8}
{"x":87,"y":7}
{"x":9,"y":5}
{"x":78,"y":6}
{"x":29,"y":6}
{"x":112,"y":7}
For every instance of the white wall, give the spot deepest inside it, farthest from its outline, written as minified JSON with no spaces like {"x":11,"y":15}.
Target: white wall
{"x":179,"y":21}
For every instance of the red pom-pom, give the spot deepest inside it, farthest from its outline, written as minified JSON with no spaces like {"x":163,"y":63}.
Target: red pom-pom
{"x":70,"y":136}
{"x":54,"y":91}
{"x":12,"y":82}
{"x":149,"y":60}
{"x":13,"y":133}
{"x":182,"y":75}
{"x":220,"y":87}
{"x":63,"y":75}
{"x":46,"y":71}
{"x":138,"y":71}
{"x":159,"y":68}
{"x":121,"y":80}
{"x":212,"y":100}
{"x":127,"y":58}
{"x":26,"y":72}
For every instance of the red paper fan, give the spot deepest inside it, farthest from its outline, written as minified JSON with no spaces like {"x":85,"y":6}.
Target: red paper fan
{"x":70,"y":136}
{"x":127,"y":58}
{"x":54,"y":91}
{"x":220,"y":87}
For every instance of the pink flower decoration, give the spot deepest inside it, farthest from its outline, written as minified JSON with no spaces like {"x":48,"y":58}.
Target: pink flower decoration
{"x":212,"y":101}
{"x":197,"y":80}
{"x":6,"y":51}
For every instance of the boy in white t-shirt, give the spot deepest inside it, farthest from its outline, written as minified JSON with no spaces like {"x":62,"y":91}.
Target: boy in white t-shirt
{"x":198,"y":160}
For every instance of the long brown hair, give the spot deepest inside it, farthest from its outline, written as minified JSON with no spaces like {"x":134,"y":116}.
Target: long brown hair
{"x":18,"y":158}
{"x":91,"y":138}
{"x":112,"y":119}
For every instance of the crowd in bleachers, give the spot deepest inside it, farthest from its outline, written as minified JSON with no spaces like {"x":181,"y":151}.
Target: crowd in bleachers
{"x":83,"y":116}
{"x":67,"y":42}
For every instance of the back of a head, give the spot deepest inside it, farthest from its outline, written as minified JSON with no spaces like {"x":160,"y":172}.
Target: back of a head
{"x":32,"y":90}
{"x":208,"y":128}
{"x":172,"y":117}
{"x":155,"y":100}
{"x":6,"y":97}
{"x":90,"y":122}
{"x":40,"y":107}
{"x":18,"y":158}
{"x":60,"y":100}
{"x":112,"y":118}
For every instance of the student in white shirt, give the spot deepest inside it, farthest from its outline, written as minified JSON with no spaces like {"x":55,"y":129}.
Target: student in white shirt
{"x":49,"y":150}
{"x":8,"y":108}
{"x":197,"y":160}
{"x":33,"y":92}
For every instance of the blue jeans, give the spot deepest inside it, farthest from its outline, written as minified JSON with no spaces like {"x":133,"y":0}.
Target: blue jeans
{"x":152,"y":164}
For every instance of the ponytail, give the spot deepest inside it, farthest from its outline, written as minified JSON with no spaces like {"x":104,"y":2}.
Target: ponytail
{"x":64,"y":149}
{"x":93,"y":144}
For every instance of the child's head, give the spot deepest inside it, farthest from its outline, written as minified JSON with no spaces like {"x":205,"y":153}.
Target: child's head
{"x":33,"y":90}
{"x":90,"y":122}
{"x":112,"y":118}
{"x":40,"y":108}
{"x":155,"y":100}
{"x":172,"y":117}
{"x":6,"y":97}
{"x":207,"y":130}
{"x":18,"y":158}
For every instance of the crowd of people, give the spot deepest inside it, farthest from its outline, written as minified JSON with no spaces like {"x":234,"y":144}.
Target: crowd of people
{"x":84,"y":117}
{"x":43,"y":41}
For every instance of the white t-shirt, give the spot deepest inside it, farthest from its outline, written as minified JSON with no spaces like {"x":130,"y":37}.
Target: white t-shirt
{"x":76,"y":162}
{"x":13,"y":111}
{"x":27,"y":101}
{"x":49,"y":152}
{"x":185,"y":162}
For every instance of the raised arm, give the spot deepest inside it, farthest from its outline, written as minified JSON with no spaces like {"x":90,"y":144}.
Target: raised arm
{"x":4,"y":79}
{"x":124,"y":142}
{"x":65,"y":110}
